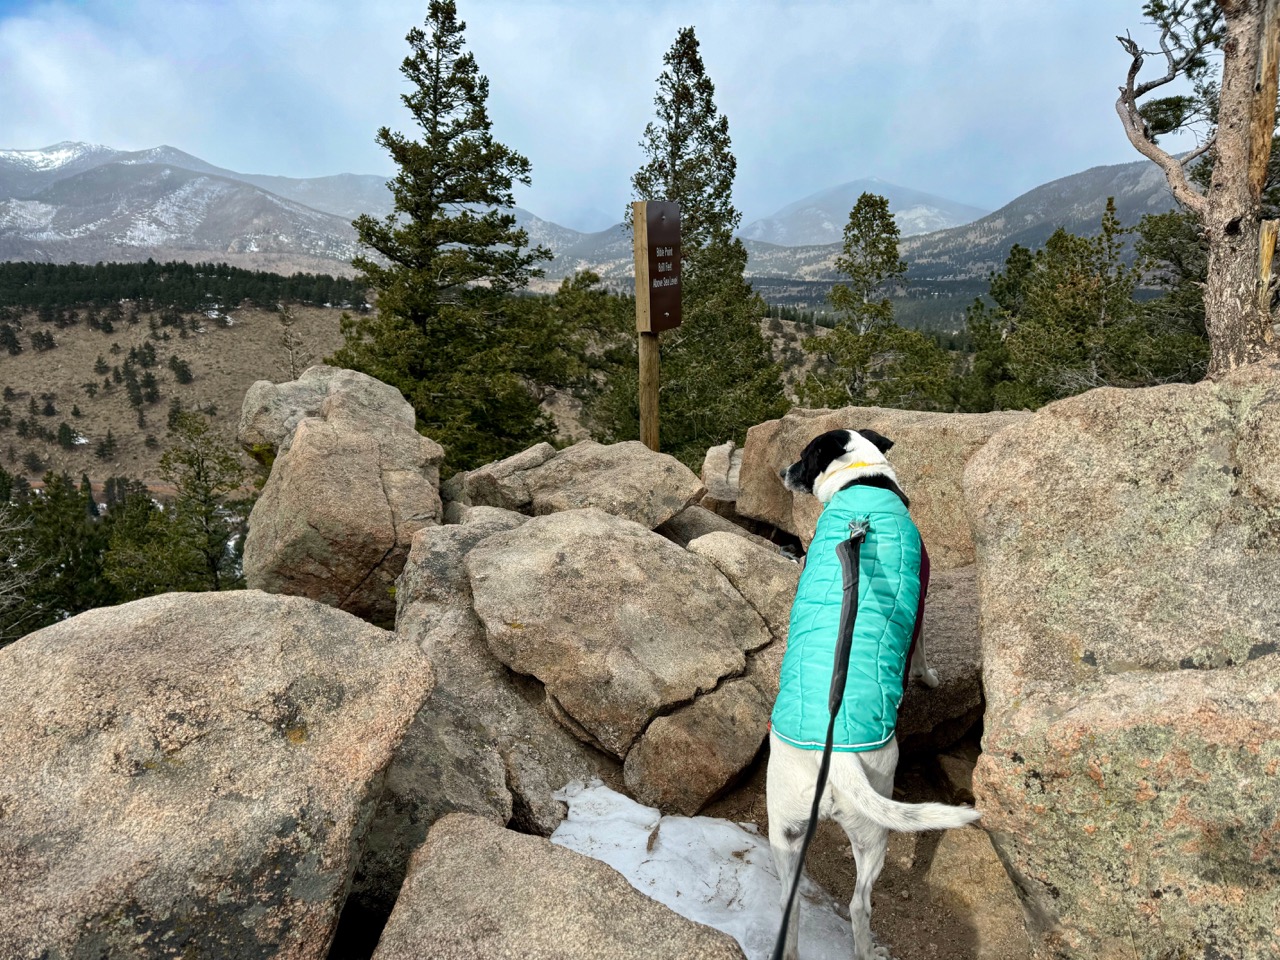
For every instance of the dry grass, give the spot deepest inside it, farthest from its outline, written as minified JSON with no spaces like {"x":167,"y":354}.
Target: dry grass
{"x":225,"y":361}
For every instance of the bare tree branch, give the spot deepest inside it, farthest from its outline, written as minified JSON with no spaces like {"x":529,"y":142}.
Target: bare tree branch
{"x":1135,"y":127}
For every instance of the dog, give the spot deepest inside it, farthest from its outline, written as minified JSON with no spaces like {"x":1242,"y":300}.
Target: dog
{"x":848,"y":472}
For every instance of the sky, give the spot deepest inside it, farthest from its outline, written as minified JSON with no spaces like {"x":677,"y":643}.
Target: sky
{"x":974,"y":100}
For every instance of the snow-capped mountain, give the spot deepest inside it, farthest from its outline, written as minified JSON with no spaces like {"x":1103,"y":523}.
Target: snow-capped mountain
{"x":85,"y":202}
{"x":821,"y":217}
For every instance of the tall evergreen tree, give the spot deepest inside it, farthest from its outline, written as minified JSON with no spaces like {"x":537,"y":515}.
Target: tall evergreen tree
{"x":718,"y":376}
{"x":867,"y":358}
{"x":446,"y":259}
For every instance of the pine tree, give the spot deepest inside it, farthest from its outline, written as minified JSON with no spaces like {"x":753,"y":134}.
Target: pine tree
{"x":717,"y":371}
{"x":206,"y":475}
{"x":1065,"y":319}
{"x":447,"y":258}
{"x":868,"y":358}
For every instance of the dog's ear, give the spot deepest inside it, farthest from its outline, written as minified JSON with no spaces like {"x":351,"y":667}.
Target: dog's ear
{"x":883,"y":443}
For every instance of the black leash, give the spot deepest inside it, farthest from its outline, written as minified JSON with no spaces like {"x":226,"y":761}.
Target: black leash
{"x":850,"y":554}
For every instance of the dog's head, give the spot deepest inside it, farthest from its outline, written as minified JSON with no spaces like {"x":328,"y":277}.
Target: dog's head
{"x":835,"y":459}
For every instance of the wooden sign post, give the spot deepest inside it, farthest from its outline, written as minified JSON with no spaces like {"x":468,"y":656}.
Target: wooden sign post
{"x":657,"y":252}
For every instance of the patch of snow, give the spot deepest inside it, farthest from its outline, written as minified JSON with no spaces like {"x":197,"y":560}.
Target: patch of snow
{"x":50,"y":158}
{"x":709,"y":870}
{"x":80,"y":440}
{"x":26,"y":215}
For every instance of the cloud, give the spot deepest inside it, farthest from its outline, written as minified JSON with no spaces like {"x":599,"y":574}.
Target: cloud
{"x":977,"y":101}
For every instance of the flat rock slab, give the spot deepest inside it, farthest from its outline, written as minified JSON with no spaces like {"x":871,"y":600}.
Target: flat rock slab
{"x":929,"y":456}
{"x":191,"y":775}
{"x":478,"y":892}
{"x":625,"y":479}
{"x":1129,"y":553}
{"x":618,"y":623}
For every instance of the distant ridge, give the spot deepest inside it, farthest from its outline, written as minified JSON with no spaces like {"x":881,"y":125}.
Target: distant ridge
{"x":821,"y":217}
{"x":88,"y":202}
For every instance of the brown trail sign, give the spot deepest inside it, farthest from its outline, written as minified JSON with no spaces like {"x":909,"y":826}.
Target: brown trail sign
{"x":657,"y":252}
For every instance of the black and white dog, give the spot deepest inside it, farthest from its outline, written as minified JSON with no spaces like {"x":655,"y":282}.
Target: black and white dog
{"x":860,"y":785}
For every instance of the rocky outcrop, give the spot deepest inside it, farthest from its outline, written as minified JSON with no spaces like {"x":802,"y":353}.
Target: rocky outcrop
{"x":625,"y":479}
{"x":478,"y":892}
{"x":271,"y":412}
{"x":643,"y":650}
{"x":1129,"y":549}
{"x":191,"y":774}
{"x":929,"y":456}
{"x":616,"y":622}
{"x":351,"y":482}
{"x":483,"y":743}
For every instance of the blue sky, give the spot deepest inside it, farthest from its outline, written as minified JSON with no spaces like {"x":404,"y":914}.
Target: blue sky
{"x":975,"y":100}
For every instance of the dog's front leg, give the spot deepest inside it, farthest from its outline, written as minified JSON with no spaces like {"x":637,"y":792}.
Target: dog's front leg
{"x":920,"y":669}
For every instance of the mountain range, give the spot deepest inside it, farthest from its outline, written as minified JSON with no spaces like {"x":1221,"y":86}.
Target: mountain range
{"x":820,"y":218}
{"x":84,"y":202}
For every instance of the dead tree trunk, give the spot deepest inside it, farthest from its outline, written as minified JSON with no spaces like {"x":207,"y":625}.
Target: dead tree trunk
{"x":1237,"y":296}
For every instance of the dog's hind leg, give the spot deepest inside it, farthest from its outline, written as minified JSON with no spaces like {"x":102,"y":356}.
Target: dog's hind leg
{"x":788,"y":807}
{"x":869,"y":845}
{"x":784,"y":841}
{"x":868,"y":839}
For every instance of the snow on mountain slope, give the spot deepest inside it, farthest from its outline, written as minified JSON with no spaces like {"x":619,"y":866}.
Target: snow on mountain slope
{"x":55,"y":156}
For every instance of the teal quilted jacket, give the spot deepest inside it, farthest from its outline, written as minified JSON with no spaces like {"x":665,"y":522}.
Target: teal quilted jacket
{"x":890,"y":601}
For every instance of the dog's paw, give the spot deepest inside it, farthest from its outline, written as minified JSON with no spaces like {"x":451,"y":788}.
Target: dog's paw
{"x":928,"y":676}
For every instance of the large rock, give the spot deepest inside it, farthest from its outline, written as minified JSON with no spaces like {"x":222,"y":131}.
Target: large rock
{"x":483,"y":743}
{"x":478,"y":892}
{"x":1129,"y":549}
{"x":929,"y":455}
{"x":349,"y":487}
{"x":271,"y":412}
{"x":626,"y":479}
{"x":685,"y":758}
{"x":618,"y":623}
{"x":766,"y":579}
{"x":191,"y":775}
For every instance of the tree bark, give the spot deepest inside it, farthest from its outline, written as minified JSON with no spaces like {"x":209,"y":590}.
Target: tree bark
{"x":1237,"y":315}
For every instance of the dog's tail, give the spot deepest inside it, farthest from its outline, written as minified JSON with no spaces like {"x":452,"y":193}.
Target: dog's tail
{"x":851,"y":780}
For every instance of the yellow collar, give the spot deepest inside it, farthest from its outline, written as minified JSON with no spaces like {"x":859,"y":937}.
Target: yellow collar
{"x":853,"y":466}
